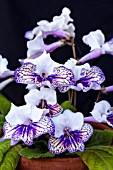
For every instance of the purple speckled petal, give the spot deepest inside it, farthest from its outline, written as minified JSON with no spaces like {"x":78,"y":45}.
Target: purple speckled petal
{"x":91,"y":78}
{"x":54,"y":110}
{"x":25,"y":74}
{"x":8,"y":130}
{"x":87,"y":131}
{"x":45,"y":125}
{"x":63,"y":89}
{"x":56,"y":145}
{"x":62,"y":77}
{"x":71,"y":140}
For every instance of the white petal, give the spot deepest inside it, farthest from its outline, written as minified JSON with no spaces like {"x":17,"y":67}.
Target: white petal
{"x":37,"y":113}
{"x":36,"y":43}
{"x":49,"y":95}
{"x":95,"y":39}
{"x":108,"y":47}
{"x":35,"y":96}
{"x":44,"y":64}
{"x":60,"y":123}
{"x":75,"y":120}
{"x":23,"y":114}
{"x":100,"y":109}
{"x":68,"y":119}
{"x":18,"y":115}
{"x":3,"y":65}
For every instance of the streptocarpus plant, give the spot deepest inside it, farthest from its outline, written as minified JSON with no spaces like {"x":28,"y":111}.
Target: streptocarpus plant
{"x":42,"y":124}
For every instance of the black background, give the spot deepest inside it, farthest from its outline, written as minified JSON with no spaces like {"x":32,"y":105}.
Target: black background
{"x":17,"y":17}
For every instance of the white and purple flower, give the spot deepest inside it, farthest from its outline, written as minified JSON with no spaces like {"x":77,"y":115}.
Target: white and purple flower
{"x":70,"y":133}
{"x":25,"y":123}
{"x":102,"y":112}
{"x":61,"y":26}
{"x":96,"y":40}
{"x":86,"y":77}
{"x":45,"y":98}
{"x":44,"y":71}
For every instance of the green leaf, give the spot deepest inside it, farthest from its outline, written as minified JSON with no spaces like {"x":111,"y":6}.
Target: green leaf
{"x":5,"y":105}
{"x":4,"y":146}
{"x":98,"y":157}
{"x":11,"y":158}
{"x":2,"y":120}
{"x":41,"y":145}
{"x":34,"y":153}
{"x":100,"y":137}
{"x":67,"y":105}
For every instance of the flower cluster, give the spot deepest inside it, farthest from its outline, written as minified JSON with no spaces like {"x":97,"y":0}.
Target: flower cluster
{"x":42,"y":114}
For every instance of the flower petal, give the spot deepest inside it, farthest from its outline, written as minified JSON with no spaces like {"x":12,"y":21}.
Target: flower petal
{"x":109,"y":120}
{"x":8,"y":130}
{"x":95,"y":39}
{"x":87,"y":131}
{"x":56,"y":145}
{"x":3,"y":65}
{"x":108,"y":47}
{"x":54,"y":110}
{"x":91,"y":79}
{"x":73,"y":121}
{"x":18,"y":115}
{"x":24,"y":133}
{"x":62,"y":77}
{"x":73,"y":144}
{"x":45,"y":125}
{"x":35,"y":96}
{"x":101,"y":108}
{"x":25,"y":74}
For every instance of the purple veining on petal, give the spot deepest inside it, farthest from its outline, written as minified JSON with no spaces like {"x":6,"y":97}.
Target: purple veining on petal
{"x":62,"y":77}
{"x":56,"y":145}
{"x":87,"y":131}
{"x":26,"y":74}
{"x":92,"y":77}
{"x":26,"y":133}
{"x":54,"y":110}
{"x":71,"y":140}
{"x":45,"y":125}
